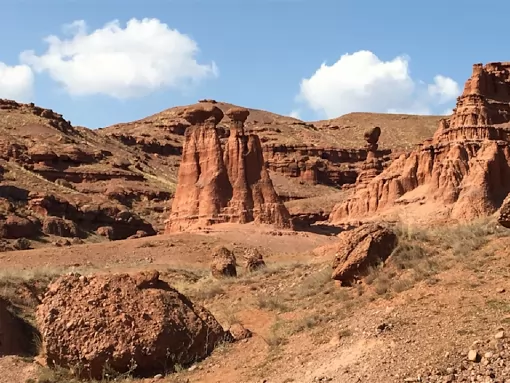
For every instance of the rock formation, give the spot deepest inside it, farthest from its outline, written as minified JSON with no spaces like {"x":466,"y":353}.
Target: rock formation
{"x":319,"y":165}
{"x":463,"y":172}
{"x":359,"y":249}
{"x":238,"y":332}
{"x":122,"y":321}
{"x":375,"y":161}
{"x":254,"y":260}
{"x":223,"y":263}
{"x":216,"y":185}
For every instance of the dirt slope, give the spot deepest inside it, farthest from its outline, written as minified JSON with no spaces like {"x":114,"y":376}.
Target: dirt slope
{"x":418,"y":317}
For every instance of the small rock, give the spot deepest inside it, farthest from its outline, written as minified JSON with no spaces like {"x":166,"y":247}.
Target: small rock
{"x":238,"y":332}
{"x":473,"y":355}
{"x":500,"y":290}
{"x":499,"y":335}
{"x":158,"y":376}
{"x":335,"y":340}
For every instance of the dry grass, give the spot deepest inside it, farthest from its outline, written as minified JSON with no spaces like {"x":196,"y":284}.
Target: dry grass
{"x":61,"y":375}
{"x":424,"y":252}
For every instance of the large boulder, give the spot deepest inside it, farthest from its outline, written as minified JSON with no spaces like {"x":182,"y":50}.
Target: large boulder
{"x":223,"y":263}
{"x":60,"y":227}
{"x":14,"y":227}
{"x":254,"y":260}
{"x":123,"y":322}
{"x":360,"y":248}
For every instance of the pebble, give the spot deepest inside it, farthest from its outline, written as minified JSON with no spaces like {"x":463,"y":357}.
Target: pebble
{"x":473,"y":355}
{"x":499,"y":335}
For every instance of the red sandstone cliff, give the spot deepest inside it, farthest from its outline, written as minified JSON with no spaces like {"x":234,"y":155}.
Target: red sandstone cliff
{"x":216,"y":185}
{"x":462,"y":173}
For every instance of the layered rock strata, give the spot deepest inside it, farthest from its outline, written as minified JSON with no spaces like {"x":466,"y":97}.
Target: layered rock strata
{"x":327,"y":166}
{"x":463,"y":171}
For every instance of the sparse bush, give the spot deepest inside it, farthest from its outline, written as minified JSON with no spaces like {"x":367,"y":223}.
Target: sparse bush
{"x":407,"y":254}
{"x":412,"y":233}
{"x":344,"y":333}
{"x":272,"y":303}
{"x":305,"y":323}
{"x":278,"y":334}
{"x":315,"y":283}
{"x":402,"y":284}
{"x":382,"y":285}
{"x":465,"y":238}
{"x":208,"y":291}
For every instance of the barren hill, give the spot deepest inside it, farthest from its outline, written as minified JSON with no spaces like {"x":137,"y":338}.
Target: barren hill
{"x":400,"y":131}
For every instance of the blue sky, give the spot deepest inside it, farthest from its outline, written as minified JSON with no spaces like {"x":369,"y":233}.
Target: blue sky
{"x":250,"y":53}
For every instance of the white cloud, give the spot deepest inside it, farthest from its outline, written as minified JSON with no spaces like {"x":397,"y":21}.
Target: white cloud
{"x":119,"y":62}
{"x":361,"y":82}
{"x":16,"y":82}
{"x":445,"y":88}
{"x":296,"y":113}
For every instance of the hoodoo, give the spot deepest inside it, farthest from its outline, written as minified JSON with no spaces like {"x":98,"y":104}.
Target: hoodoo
{"x":463,"y":172}
{"x":216,"y":185}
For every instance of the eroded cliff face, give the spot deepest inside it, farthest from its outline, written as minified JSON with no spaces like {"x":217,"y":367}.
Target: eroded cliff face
{"x":463,"y":172}
{"x":318,"y":165}
{"x":85,"y":182}
{"x":230,"y":185}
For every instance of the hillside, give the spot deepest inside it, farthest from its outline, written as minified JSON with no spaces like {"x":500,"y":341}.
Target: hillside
{"x":53,"y":169}
{"x":400,"y":131}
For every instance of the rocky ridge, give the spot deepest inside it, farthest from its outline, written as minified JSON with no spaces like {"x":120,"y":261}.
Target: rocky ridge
{"x":461,"y":173}
{"x":66,"y":181}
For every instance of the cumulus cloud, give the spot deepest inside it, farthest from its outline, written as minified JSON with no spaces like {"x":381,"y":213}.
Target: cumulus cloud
{"x":444,"y":88}
{"x":142,"y":57}
{"x":361,"y":82}
{"x":16,"y":82}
